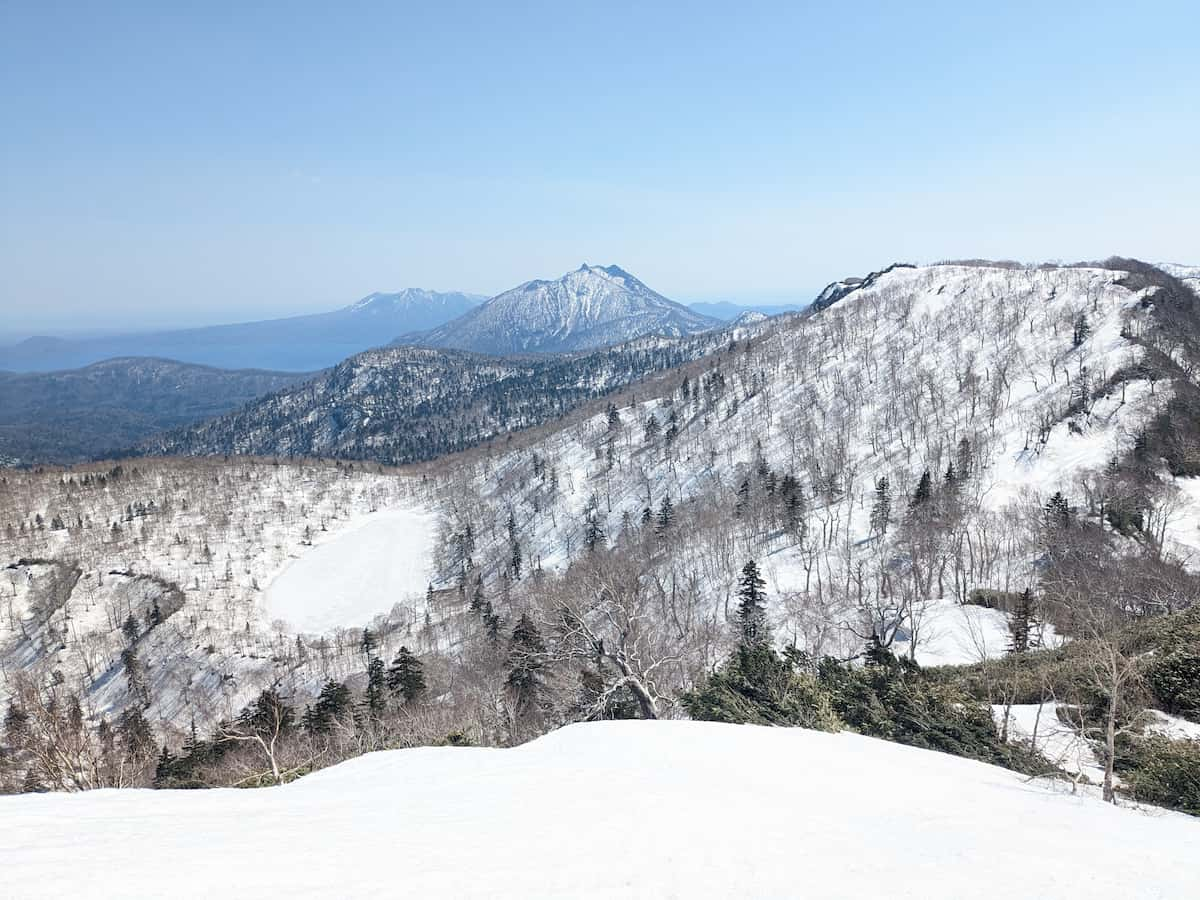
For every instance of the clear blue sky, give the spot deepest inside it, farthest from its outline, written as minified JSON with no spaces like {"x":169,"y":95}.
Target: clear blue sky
{"x":164,"y":166}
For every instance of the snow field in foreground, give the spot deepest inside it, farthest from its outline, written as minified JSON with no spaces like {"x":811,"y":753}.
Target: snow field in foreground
{"x":362,"y":570}
{"x":613,"y":809}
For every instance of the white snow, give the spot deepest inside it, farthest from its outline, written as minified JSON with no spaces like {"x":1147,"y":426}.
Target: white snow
{"x":1173,"y":727}
{"x":1058,"y":743}
{"x":616,"y":809}
{"x":1183,"y":525}
{"x":374,"y":562}
{"x":956,"y":634}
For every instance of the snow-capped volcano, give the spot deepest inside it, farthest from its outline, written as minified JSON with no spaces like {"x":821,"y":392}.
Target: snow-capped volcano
{"x":591,"y":307}
{"x":416,"y":301}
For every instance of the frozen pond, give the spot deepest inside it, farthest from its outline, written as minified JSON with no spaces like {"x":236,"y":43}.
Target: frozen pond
{"x":376,"y":561}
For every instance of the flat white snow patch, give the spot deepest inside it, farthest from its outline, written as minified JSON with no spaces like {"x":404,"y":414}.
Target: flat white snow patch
{"x":374,"y":562}
{"x":604,"y":810}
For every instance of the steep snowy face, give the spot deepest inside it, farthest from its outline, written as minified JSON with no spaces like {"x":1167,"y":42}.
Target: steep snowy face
{"x":591,"y":307}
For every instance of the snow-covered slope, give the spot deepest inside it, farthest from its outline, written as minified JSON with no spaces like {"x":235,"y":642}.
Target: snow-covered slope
{"x":224,"y":551}
{"x":912,"y":369}
{"x":617,"y":809}
{"x":1190,"y":275}
{"x":988,"y":369}
{"x":378,"y":560}
{"x":594,"y":306}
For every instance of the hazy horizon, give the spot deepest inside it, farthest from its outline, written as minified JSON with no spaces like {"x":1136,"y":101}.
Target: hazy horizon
{"x":10,"y":334}
{"x":164,"y":168}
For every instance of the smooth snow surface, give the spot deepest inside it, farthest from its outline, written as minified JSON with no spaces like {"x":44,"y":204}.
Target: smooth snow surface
{"x":378,"y":560}
{"x":614,"y":809}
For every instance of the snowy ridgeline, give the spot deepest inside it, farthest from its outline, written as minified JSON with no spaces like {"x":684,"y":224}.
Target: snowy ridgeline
{"x":1015,"y":383}
{"x":618,"y":809}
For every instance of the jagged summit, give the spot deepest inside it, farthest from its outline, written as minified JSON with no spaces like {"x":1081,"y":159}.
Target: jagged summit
{"x":592,"y":306}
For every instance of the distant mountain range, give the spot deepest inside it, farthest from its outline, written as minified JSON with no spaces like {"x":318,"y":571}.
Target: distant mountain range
{"x":594,"y":306}
{"x":728,"y":312}
{"x":64,"y":417}
{"x":295,"y":344}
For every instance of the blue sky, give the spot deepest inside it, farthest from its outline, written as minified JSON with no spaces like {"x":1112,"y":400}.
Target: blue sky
{"x":189,"y":163}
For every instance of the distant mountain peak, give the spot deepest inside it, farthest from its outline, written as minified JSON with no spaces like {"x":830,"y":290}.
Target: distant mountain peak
{"x":592,"y":306}
{"x":410,"y":298}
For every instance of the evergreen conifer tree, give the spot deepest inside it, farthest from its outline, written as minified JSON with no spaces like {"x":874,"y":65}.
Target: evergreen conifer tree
{"x":881,"y":510}
{"x":743,"y":498}
{"x":1020,"y":623}
{"x":963,"y":460}
{"x":1080,"y":330}
{"x":752,"y":607}
{"x":137,"y":739}
{"x":477,"y":595}
{"x":614,"y":419}
{"x":593,"y":531}
{"x":666,"y":515}
{"x":924,"y":490}
{"x":526,"y":659}
{"x":375,"y":684}
{"x":406,"y":676}
{"x":1058,"y":511}
{"x":331,"y":705}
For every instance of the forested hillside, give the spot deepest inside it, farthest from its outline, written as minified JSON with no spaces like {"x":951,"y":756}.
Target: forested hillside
{"x":82,"y":414}
{"x":941,"y":509}
{"x":407,"y":404}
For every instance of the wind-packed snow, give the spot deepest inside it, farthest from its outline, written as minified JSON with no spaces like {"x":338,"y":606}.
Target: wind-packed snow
{"x":614,"y":809}
{"x":376,"y":561}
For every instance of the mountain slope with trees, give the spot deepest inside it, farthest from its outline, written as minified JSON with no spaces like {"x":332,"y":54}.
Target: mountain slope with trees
{"x":963,"y":464}
{"x":80,"y":414}
{"x":408,"y":404}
